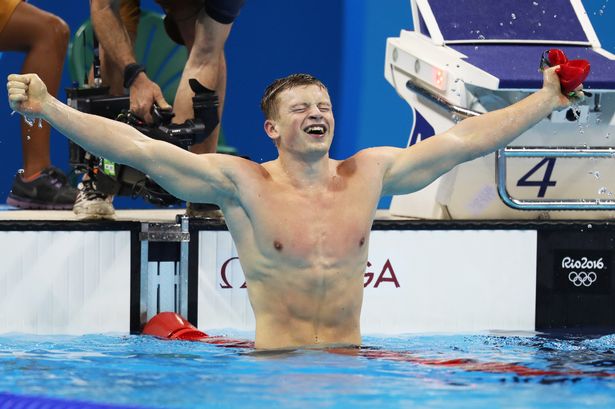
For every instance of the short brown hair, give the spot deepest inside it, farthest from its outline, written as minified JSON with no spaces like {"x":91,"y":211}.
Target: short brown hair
{"x":268,"y":102}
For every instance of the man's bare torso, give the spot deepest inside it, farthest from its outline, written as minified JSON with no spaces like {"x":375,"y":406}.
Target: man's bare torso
{"x":304,"y":252}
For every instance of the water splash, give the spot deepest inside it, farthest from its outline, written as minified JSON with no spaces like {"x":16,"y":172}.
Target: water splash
{"x":595,"y":173}
{"x":28,"y":120}
{"x":605,"y":191}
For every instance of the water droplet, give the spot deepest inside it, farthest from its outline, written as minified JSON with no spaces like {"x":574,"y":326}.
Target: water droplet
{"x":595,"y":173}
{"x":535,"y":3}
{"x":481,"y":37}
{"x":13,"y":113}
{"x":40,"y":122}
{"x":28,"y":120}
{"x":544,"y":12}
{"x":539,"y":24}
{"x":476,"y":47}
{"x":555,"y":16}
{"x":513,"y":16}
{"x":501,"y":24}
{"x":604,"y":191}
{"x":601,"y":12}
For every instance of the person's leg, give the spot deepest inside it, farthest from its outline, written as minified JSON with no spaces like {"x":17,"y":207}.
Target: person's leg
{"x":92,"y":203}
{"x":113,"y":75}
{"x":205,"y":38}
{"x":44,"y":38}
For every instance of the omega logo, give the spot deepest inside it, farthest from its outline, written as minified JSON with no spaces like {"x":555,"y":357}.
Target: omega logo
{"x":225,"y":283}
{"x":386,"y":275}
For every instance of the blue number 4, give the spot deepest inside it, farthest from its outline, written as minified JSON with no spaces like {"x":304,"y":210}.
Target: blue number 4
{"x":546,"y":180}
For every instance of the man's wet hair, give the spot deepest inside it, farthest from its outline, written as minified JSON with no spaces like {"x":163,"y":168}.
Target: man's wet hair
{"x":268,"y":102}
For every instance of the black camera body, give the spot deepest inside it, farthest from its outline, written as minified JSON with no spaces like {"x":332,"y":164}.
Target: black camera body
{"x":116,"y":179}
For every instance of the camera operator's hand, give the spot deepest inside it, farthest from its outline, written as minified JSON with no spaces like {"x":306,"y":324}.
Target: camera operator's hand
{"x":27,"y":94}
{"x":143,"y":94}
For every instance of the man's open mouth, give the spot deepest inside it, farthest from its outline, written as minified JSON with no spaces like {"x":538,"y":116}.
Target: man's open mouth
{"x":315,"y":129}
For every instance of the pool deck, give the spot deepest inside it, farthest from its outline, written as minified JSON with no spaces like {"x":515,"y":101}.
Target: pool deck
{"x":124,"y":215}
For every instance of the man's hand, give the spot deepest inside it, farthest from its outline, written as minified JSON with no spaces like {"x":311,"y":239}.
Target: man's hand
{"x":27,"y":94}
{"x":143,"y":94}
{"x":552,"y":85}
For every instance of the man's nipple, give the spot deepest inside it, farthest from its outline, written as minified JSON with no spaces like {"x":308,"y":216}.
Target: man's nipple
{"x":277,"y":245}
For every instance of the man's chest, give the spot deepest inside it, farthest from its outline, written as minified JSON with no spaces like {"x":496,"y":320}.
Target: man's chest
{"x":321,"y":225}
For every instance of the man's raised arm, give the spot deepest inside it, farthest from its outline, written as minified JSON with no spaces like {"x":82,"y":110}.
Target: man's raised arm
{"x":415,"y":167}
{"x":184,"y":174}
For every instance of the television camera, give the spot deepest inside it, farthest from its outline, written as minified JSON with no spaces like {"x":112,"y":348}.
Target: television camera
{"x":116,"y":179}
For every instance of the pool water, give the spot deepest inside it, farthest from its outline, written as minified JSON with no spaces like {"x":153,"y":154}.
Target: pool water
{"x":423,"y":371}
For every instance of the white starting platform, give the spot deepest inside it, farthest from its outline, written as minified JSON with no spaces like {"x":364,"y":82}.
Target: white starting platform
{"x":468,"y":57}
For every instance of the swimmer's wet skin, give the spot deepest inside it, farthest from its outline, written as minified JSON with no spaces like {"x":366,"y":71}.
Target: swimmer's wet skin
{"x":301,"y":222}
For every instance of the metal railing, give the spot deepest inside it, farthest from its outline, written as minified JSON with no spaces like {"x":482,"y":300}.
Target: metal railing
{"x":544,"y":152}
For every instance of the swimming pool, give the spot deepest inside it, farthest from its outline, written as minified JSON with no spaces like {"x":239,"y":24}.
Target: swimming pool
{"x":420,"y":371}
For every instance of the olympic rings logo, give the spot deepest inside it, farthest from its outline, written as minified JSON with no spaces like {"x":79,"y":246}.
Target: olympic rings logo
{"x":582,"y":278}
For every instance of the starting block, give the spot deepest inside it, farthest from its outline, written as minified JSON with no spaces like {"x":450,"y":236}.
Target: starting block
{"x":469,"y":57}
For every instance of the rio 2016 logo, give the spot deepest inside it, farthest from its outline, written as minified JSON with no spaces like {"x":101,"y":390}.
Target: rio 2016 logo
{"x":582,"y":270}
{"x":583,"y":262}
{"x":386,"y":274}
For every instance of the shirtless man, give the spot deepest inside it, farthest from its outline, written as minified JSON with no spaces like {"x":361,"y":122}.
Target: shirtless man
{"x":301,"y":222}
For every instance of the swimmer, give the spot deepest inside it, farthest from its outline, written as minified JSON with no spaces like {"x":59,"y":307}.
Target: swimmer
{"x":301,"y":223}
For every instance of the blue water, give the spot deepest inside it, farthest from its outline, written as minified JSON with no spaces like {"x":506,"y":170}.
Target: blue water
{"x":147,"y":372}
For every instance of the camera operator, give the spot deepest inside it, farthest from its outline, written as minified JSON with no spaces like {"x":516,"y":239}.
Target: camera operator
{"x":203,"y":27}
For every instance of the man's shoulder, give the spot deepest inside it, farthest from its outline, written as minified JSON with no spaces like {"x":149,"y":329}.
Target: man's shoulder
{"x":375,"y":153}
{"x":253,"y":169}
